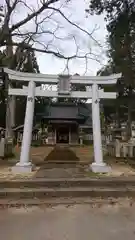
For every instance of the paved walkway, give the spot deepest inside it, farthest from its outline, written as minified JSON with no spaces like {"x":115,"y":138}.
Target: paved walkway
{"x":78,"y":222}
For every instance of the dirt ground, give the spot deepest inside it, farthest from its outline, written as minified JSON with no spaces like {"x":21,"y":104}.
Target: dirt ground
{"x":40,"y":155}
{"x":75,"y":222}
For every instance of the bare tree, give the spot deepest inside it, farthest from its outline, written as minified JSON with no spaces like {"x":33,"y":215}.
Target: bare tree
{"x":42,"y":29}
{"x":40,"y":25}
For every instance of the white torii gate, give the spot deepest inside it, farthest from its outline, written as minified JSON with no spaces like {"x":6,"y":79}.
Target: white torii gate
{"x":64,"y":90}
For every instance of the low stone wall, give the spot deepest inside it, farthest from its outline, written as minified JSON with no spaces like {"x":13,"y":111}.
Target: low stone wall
{"x":88,"y":139}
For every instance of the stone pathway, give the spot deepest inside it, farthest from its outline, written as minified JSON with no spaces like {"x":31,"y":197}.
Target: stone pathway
{"x":62,"y":153}
{"x":62,"y":172}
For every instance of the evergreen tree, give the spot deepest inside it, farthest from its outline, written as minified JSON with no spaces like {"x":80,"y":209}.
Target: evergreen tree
{"x":120,"y":17}
{"x":22,"y":60}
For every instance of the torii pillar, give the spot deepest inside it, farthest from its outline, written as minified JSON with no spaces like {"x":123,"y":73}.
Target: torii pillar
{"x":98,"y":166}
{"x":24,"y":165}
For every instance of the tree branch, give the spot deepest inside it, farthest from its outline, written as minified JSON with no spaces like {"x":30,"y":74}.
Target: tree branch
{"x":57,"y":54}
{"x":47,"y":43}
{"x":74,"y":24}
{"x":9,"y":10}
{"x":31,"y":16}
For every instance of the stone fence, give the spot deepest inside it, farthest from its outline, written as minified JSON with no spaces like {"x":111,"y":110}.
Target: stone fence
{"x":120,"y":149}
{"x":105,"y":139}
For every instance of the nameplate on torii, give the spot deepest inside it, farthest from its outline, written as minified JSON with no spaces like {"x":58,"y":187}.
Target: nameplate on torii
{"x":54,"y":94}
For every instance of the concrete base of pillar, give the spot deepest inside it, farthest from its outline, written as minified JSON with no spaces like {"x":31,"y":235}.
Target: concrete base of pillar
{"x":23,"y":168}
{"x":100,"y":168}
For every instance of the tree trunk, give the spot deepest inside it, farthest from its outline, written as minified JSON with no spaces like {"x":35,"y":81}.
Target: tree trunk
{"x":10,"y":111}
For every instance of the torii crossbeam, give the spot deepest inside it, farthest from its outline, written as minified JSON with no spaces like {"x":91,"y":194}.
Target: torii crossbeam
{"x":64,"y":90}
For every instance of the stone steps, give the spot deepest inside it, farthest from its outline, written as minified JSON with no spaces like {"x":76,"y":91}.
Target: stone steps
{"x":45,"y":193}
{"x":103,"y":182}
{"x":54,"y":191}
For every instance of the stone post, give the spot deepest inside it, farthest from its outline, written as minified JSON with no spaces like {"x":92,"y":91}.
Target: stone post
{"x":98,"y":165}
{"x":117,"y":149}
{"x":25,"y":164}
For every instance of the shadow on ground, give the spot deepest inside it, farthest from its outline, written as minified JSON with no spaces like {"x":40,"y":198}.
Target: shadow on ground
{"x":61,"y":162}
{"x":62,"y":154}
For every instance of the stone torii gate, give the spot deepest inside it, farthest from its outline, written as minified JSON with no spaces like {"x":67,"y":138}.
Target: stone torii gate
{"x":64,"y":84}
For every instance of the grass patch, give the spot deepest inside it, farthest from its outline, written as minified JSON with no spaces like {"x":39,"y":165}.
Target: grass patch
{"x":96,"y":175}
